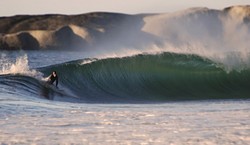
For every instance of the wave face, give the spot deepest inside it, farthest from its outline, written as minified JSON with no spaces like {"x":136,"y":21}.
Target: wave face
{"x":151,"y":78}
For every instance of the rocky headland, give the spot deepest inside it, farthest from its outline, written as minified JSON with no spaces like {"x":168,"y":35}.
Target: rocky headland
{"x":102,"y":29}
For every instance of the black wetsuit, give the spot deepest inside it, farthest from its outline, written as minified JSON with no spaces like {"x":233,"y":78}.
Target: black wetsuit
{"x":52,"y":79}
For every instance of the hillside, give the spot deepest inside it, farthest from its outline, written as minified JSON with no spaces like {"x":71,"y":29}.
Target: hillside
{"x":229,"y":27}
{"x":58,"y":31}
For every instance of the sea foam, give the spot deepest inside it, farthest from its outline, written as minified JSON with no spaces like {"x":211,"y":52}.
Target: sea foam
{"x":19,"y":66}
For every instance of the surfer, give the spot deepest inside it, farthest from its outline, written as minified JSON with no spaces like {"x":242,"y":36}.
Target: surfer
{"x":52,"y":78}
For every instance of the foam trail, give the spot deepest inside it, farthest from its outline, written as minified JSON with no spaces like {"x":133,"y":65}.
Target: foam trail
{"x":222,"y":36}
{"x":219,"y":35}
{"x":20,"y":66}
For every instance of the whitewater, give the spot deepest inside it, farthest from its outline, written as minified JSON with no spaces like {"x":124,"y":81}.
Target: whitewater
{"x":190,"y":86}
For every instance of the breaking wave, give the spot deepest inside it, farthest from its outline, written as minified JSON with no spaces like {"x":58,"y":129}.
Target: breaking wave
{"x":141,"y":78}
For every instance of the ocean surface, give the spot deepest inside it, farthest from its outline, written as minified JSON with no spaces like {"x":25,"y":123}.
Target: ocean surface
{"x":124,"y":98}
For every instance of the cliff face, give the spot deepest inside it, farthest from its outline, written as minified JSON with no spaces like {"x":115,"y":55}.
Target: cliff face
{"x":229,"y":27}
{"x":58,"y":31}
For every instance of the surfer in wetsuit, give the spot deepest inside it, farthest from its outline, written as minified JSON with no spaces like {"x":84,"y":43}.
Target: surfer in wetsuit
{"x":52,"y":78}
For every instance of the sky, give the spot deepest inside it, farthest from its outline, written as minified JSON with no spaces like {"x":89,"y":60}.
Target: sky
{"x":30,"y":7}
